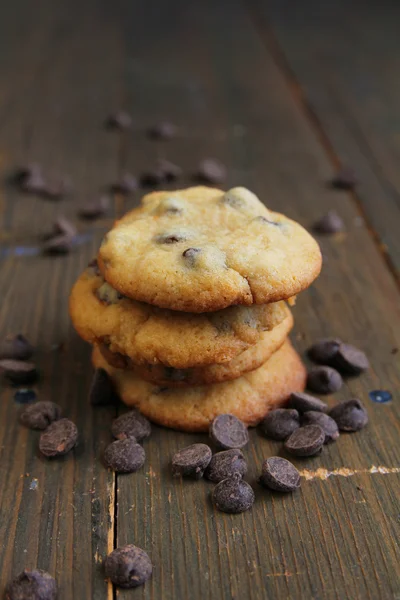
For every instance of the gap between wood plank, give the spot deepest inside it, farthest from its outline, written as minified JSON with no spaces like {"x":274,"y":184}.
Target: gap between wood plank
{"x":272,"y":45}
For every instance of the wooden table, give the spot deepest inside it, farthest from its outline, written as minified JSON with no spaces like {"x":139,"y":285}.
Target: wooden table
{"x":282,"y":92}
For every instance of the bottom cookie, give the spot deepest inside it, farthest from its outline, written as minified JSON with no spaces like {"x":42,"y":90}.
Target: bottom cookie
{"x":249,"y":397}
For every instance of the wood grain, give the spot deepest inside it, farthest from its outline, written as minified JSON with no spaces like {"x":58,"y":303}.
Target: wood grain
{"x":345,"y":79}
{"x":207,"y":67}
{"x":57,"y":515}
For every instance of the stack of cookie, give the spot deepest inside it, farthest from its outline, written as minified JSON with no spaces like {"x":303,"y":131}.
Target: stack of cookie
{"x":185,"y":306}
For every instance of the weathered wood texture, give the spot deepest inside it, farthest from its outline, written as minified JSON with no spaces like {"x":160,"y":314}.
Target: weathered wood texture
{"x":345,"y":60}
{"x":206,"y":67}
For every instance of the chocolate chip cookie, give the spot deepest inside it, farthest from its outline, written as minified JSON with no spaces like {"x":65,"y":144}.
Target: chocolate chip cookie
{"x":150,"y":335}
{"x":247,"y":361}
{"x":202,"y":249}
{"x":249,"y":397}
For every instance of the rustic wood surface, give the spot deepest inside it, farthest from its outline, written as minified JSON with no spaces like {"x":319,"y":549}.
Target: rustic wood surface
{"x":216,"y":70}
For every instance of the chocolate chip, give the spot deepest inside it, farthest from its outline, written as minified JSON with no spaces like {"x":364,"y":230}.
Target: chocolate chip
{"x":59,"y":244}
{"x":128,"y":566}
{"x":327,"y":424}
{"x":119,"y":120}
{"x":32,"y":585}
{"x":305,"y":441}
{"x":331,"y":222}
{"x":162,"y":131}
{"x":190,"y":255}
{"x":227,"y":431}
{"x":124,"y":456}
{"x":34,"y":183}
{"x":18,"y":371}
{"x":350,"y":415}
{"x":40,"y":415}
{"x":153,"y":176}
{"x":394,"y":350}
{"x":225,"y":464}
{"x":170,"y":238}
{"x":59,"y":438}
{"x":280,"y":423}
{"x":63,"y":226}
{"x":191,"y":461}
{"x":233,"y":495}
{"x":131,"y":424}
{"x":16,"y":347}
{"x":22,"y":173}
{"x":175,"y":374}
{"x":324,"y":351}
{"x":350,"y":360}
{"x":211,"y":171}
{"x":324,"y":380}
{"x":126,"y":185}
{"x":107,"y":294}
{"x":280,"y":475}
{"x":304,"y":402}
{"x":170,"y":171}
{"x":345,"y":179}
{"x":102,"y":390}
{"x":95,"y":208}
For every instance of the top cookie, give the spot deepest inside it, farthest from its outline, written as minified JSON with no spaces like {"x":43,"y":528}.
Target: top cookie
{"x":201,"y":250}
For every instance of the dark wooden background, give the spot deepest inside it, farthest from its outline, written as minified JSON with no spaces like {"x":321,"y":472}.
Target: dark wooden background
{"x":282,"y":92}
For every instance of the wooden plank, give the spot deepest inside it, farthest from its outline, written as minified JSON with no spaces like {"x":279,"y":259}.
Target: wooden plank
{"x":57,"y":515}
{"x":205,"y":67}
{"x":345,"y":63}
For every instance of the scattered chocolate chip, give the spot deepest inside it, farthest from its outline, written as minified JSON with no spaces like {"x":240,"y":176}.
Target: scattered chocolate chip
{"x":305,"y":441}
{"x":280,"y":423}
{"x":119,"y":120}
{"x":18,"y":371}
{"x":324,"y":351}
{"x":350,"y":360}
{"x":63,"y":226}
{"x":324,"y":380}
{"x":170,"y":238}
{"x":380,"y":396}
{"x":128,"y":566}
{"x":304,"y":402}
{"x":152,"y":177}
{"x":162,"y":131}
{"x":350,"y":415}
{"x":124,"y":456}
{"x":102,"y":390}
{"x":330,"y":223}
{"x":190,"y":255}
{"x":225,"y":464}
{"x":25,"y":396}
{"x":170,"y":170}
{"x":59,"y":244}
{"x":59,"y":438}
{"x":394,"y":351}
{"x":211,"y":171}
{"x":94,"y":209}
{"x":107,"y":294}
{"x":40,"y":415}
{"x":233,"y":495}
{"x":227,"y":431}
{"x":191,"y":461}
{"x":327,"y":424}
{"x":34,"y":183}
{"x":22,"y":173}
{"x":345,"y":179}
{"x":16,"y":347}
{"x":32,"y":585}
{"x":126,"y":185}
{"x":131,"y":424}
{"x":280,"y":475}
